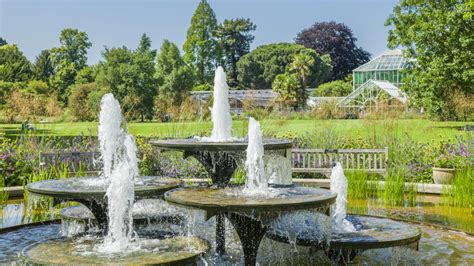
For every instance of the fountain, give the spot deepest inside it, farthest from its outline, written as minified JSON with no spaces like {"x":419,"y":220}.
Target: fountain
{"x":351,"y":234}
{"x":267,"y":205}
{"x":110,"y":198}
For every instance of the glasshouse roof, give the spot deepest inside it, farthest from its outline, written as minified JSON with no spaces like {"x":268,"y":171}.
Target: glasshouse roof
{"x":390,"y":60}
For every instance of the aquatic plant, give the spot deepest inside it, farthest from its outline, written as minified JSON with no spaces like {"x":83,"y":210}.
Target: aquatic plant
{"x":461,"y":192}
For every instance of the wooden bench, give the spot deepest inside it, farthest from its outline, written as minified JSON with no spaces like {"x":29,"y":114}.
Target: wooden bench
{"x":322,"y":160}
{"x":87,"y":162}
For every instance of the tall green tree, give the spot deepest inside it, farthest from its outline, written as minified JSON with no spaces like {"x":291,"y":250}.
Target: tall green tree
{"x":438,"y":35}
{"x":201,"y":49}
{"x":291,"y":86}
{"x":129,"y":75}
{"x":43,"y":67}
{"x":68,"y":59}
{"x":258,"y":69}
{"x":235,"y":37}
{"x":14,"y":66}
{"x":174,"y":77}
{"x":145,"y":87}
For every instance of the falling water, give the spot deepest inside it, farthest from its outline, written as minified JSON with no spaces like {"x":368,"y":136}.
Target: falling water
{"x":221,"y":109}
{"x":339,"y":186}
{"x":256,"y":182}
{"x":118,"y":151}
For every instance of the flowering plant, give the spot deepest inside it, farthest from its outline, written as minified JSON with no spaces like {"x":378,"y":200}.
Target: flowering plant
{"x":453,"y":155}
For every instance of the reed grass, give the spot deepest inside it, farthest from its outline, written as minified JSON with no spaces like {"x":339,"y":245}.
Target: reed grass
{"x":3,"y":193}
{"x":361,"y":185}
{"x":461,"y":192}
{"x":394,"y":191}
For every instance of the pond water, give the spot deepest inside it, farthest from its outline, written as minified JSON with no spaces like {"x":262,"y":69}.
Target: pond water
{"x":438,"y":245}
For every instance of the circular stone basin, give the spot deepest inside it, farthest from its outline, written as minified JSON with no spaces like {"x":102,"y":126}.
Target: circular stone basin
{"x":177,"y":250}
{"x":233,"y":198}
{"x":372,"y":233}
{"x":95,"y":187}
{"x":203,"y":144}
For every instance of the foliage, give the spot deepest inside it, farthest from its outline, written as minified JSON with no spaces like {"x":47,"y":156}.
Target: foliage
{"x":85,"y":75}
{"x":129,"y":75}
{"x":438,"y":34}
{"x":453,"y":154}
{"x":21,"y":105}
{"x":201,"y":48}
{"x":37,"y":87}
{"x":6,"y":88}
{"x":337,"y":40}
{"x":361,"y":185}
{"x":2,"y":41}
{"x":14,"y":66}
{"x":336,"y":88}
{"x":68,"y":59}
{"x":258,"y":69}
{"x":235,"y":38}
{"x":328,"y":110}
{"x":461,"y":191}
{"x":174,"y":77}
{"x":288,"y":87}
{"x":78,"y":102}
{"x":43,"y":67}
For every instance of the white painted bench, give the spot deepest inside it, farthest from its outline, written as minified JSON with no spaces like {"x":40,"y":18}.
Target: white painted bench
{"x":322,"y":160}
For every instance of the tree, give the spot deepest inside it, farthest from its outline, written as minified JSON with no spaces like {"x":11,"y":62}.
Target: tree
{"x":336,"y":88}
{"x":174,"y":77}
{"x":68,"y":59}
{"x":85,"y":75}
{"x":437,"y":36}
{"x":2,"y":41}
{"x":78,"y":102}
{"x":258,"y":69}
{"x":129,"y":75}
{"x":337,"y":40}
{"x":235,"y":38}
{"x":43,"y":68}
{"x":201,"y":48}
{"x":145,"y":82}
{"x":291,"y":85}
{"x":14,"y":66}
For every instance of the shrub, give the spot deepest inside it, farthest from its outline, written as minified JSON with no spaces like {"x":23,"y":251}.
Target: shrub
{"x":78,"y":101}
{"x":328,"y":110}
{"x":37,"y":87}
{"x":337,"y":88}
{"x":21,"y":106}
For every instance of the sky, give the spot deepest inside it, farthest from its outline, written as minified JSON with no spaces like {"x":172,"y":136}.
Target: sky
{"x":35,"y":25}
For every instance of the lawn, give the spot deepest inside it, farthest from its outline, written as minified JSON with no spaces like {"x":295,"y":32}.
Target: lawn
{"x":420,"y":130}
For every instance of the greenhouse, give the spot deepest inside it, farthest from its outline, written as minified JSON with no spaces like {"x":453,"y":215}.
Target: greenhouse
{"x":386,"y":66}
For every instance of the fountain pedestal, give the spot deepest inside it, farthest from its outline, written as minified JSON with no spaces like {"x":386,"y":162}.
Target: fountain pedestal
{"x":249,"y":215}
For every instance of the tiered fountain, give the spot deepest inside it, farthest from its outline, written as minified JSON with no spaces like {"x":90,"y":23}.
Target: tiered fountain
{"x":111,"y":198}
{"x":268,"y":204}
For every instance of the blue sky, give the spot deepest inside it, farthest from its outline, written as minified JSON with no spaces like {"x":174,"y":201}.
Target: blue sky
{"x":35,"y":25}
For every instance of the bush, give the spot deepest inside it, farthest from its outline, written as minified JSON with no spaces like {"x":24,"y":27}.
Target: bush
{"x":337,"y":88}
{"x":78,"y":101}
{"x":328,"y":110}
{"x":37,"y":87}
{"x":21,"y":106}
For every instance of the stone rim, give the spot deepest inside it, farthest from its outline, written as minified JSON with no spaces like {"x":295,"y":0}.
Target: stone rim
{"x":320,"y":201}
{"x":196,"y":145}
{"x":140,"y":190}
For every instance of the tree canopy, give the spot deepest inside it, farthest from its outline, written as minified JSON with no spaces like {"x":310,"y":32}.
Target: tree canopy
{"x":43,"y":67}
{"x":337,"y":40}
{"x":14,"y":66}
{"x":439,"y":36}
{"x":68,"y":59}
{"x":174,"y":77}
{"x":235,"y":38}
{"x":130,"y":76}
{"x":201,"y":48}
{"x":258,"y":69}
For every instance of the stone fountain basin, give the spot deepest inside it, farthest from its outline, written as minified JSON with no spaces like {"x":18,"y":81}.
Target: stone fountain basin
{"x":179,"y":250}
{"x":95,"y":187}
{"x":196,"y":144}
{"x":372,"y":233}
{"x":232,"y":199}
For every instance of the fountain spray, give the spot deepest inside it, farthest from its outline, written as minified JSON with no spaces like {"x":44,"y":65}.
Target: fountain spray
{"x":118,"y":152}
{"x":339,"y":186}
{"x":220,"y":112}
{"x":256,"y":182}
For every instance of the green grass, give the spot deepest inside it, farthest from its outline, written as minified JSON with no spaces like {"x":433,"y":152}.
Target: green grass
{"x":419,"y":130}
{"x":461,"y":191}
